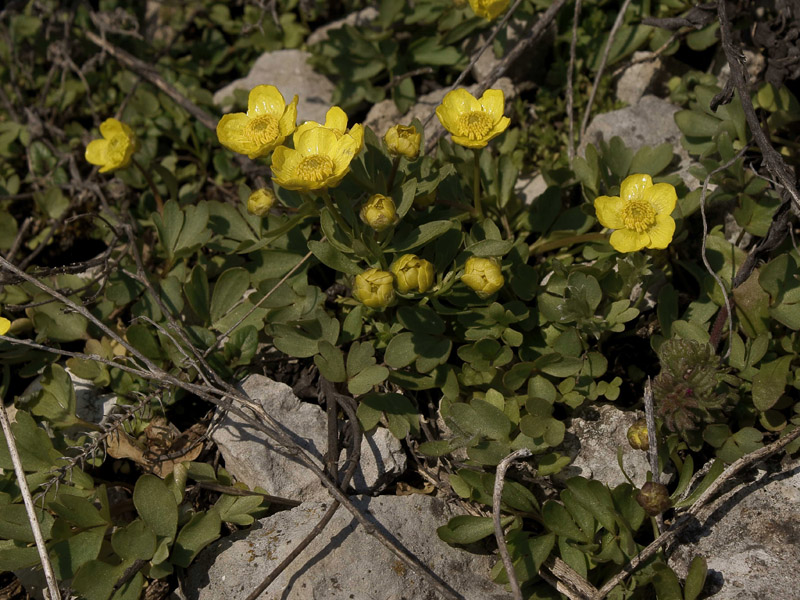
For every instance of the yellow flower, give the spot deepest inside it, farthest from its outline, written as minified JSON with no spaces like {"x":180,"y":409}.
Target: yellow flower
{"x":482,"y":275}
{"x":374,"y":288}
{"x":403,"y":140}
{"x":116,"y":148}
{"x":473,"y":122}
{"x":320,"y":159}
{"x":413,"y":274}
{"x":489,"y":9}
{"x":5,"y":325}
{"x":379,"y":212}
{"x":260,"y":202}
{"x":640,"y":215}
{"x":265,"y":125}
{"x":336,"y":121}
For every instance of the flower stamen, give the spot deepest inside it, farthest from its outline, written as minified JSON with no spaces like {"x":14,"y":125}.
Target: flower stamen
{"x":638,"y":216}
{"x":263,"y":129}
{"x":474,"y":125}
{"x":315,"y":168}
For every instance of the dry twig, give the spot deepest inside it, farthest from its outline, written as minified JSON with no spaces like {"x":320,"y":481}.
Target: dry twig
{"x":499,"y":535}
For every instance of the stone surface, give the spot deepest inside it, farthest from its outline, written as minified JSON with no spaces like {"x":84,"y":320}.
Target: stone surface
{"x":385,"y":114}
{"x":637,"y":78}
{"x":592,"y":440}
{"x":289,"y":71}
{"x":343,"y":562}
{"x":255,"y":460}
{"x":751,"y":541}
{"x":530,"y":188}
{"x":360,"y":18}
{"x":649,"y":122}
{"x":529,"y":66}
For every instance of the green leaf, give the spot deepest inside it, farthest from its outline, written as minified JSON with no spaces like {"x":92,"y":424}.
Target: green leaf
{"x":360,"y":356}
{"x":595,"y":497}
{"x":330,"y":362}
{"x":15,"y":556}
{"x":201,"y":530}
{"x":466,"y":529}
{"x":56,"y":400}
{"x":366,"y":379}
{"x":69,"y":555}
{"x":156,"y":505}
{"x":490,"y":248}
{"x":494,"y":422}
{"x":33,"y":444}
{"x":333,"y":258}
{"x":770,"y":382}
{"x":558,"y":520}
{"x":666,"y":583}
{"x":15,"y":525}
{"x":78,"y":511}
{"x":228,"y":290}
{"x":695,"y":124}
{"x":420,"y":236}
{"x":695,"y":578}
{"x":197,"y":293}
{"x":135,"y":541}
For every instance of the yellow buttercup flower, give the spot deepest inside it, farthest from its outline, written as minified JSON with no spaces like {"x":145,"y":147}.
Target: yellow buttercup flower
{"x":260,"y":202}
{"x":374,"y":288}
{"x":413,"y":274}
{"x":379,"y":212}
{"x":116,"y":148}
{"x":320,"y":159}
{"x":640,"y":215}
{"x":336,"y":121}
{"x":402,"y":140}
{"x":473,"y":122}
{"x":482,"y":275}
{"x":265,"y":125}
{"x":489,"y":9}
{"x":5,"y":325}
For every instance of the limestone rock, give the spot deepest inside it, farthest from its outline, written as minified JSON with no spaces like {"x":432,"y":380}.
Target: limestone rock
{"x":530,"y":188}
{"x":637,"y":78}
{"x":592,"y":440}
{"x":751,"y":541}
{"x":343,"y":562}
{"x":289,"y":71}
{"x":359,"y":18}
{"x":649,"y":122}
{"x":257,"y":461}
{"x":529,"y":66}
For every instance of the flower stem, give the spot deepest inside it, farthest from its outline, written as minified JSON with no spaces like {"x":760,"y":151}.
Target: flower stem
{"x":149,"y":180}
{"x":326,"y":198}
{"x":392,"y":175}
{"x":476,"y":184}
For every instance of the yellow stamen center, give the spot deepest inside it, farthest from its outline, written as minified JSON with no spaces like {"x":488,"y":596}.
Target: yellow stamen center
{"x":315,"y":168}
{"x":474,"y":125}
{"x":263,"y":129}
{"x":638,"y":215}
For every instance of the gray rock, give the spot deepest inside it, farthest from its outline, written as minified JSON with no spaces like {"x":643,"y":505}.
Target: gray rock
{"x":385,"y":114}
{"x":592,"y":440}
{"x":751,"y":541}
{"x":289,"y":71}
{"x":637,"y":78}
{"x":527,"y":66}
{"x":754,"y":63}
{"x":649,"y":122}
{"x":530,"y":188}
{"x":343,"y":562}
{"x":257,"y":461}
{"x":359,"y":18}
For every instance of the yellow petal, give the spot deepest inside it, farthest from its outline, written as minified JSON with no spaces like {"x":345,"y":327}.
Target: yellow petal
{"x":627,"y":240}
{"x":111,"y":127}
{"x":460,"y":101}
{"x":446,"y":117}
{"x":319,"y":140}
{"x":265,"y":100}
{"x":493,"y":103}
{"x":662,"y":198}
{"x":609,"y":211}
{"x":633,"y":186}
{"x":231,"y":133}
{"x":357,"y":133}
{"x":288,"y":121}
{"x":498,"y":128}
{"x":661,"y":233}
{"x":5,"y":325}
{"x":336,"y":119}
{"x":302,"y":129}
{"x":468,"y":143}
{"x":97,"y":152}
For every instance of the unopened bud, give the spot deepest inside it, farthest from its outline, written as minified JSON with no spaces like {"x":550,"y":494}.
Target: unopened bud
{"x":374,"y":288}
{"x":638,"y":437}
{"x":482,"y":275}
{"x":402,"y":140}
{"x":379,"y":212}
{"x":260,"y":202}
{"x":653,"y":498}
{"x":413,"y":274}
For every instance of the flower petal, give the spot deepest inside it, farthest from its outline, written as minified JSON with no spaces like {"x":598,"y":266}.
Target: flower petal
{"x":609,"y":211}
{"x":265,"y":100}
{"x":111,"y":127}
{"x":493,"y":103}
{"x":316,"y":140}
{"x":97,"y":152}
{"x":336,"y":119}
{"x":498,"y":128}
{"x":633,"y":186}
{"x":460,"y":101}
{"x":662,"y":197}
{"x":357,"y":133}
{"x":468,"y":143}
{"x":661,"y":233}
{"x":627,"y":240}
{"x":288,"y":121}
{"x":230,"y":132}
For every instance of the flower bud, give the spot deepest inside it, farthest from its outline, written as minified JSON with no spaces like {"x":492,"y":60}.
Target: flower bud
{"x":653,"y":498}
{"x":5,"y":325}
{"x":422,"y":202}
{"x":402,"y":140}
{"x":638,"y":437}
{"x":482,"y":275}
{"x":379,"y":212}
{"x":374,"y":288}
{"x":260,"y":202}
{"x":413,"y":274}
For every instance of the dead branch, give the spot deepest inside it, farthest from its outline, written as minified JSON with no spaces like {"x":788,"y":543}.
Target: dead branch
{"x":499,"y":480}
